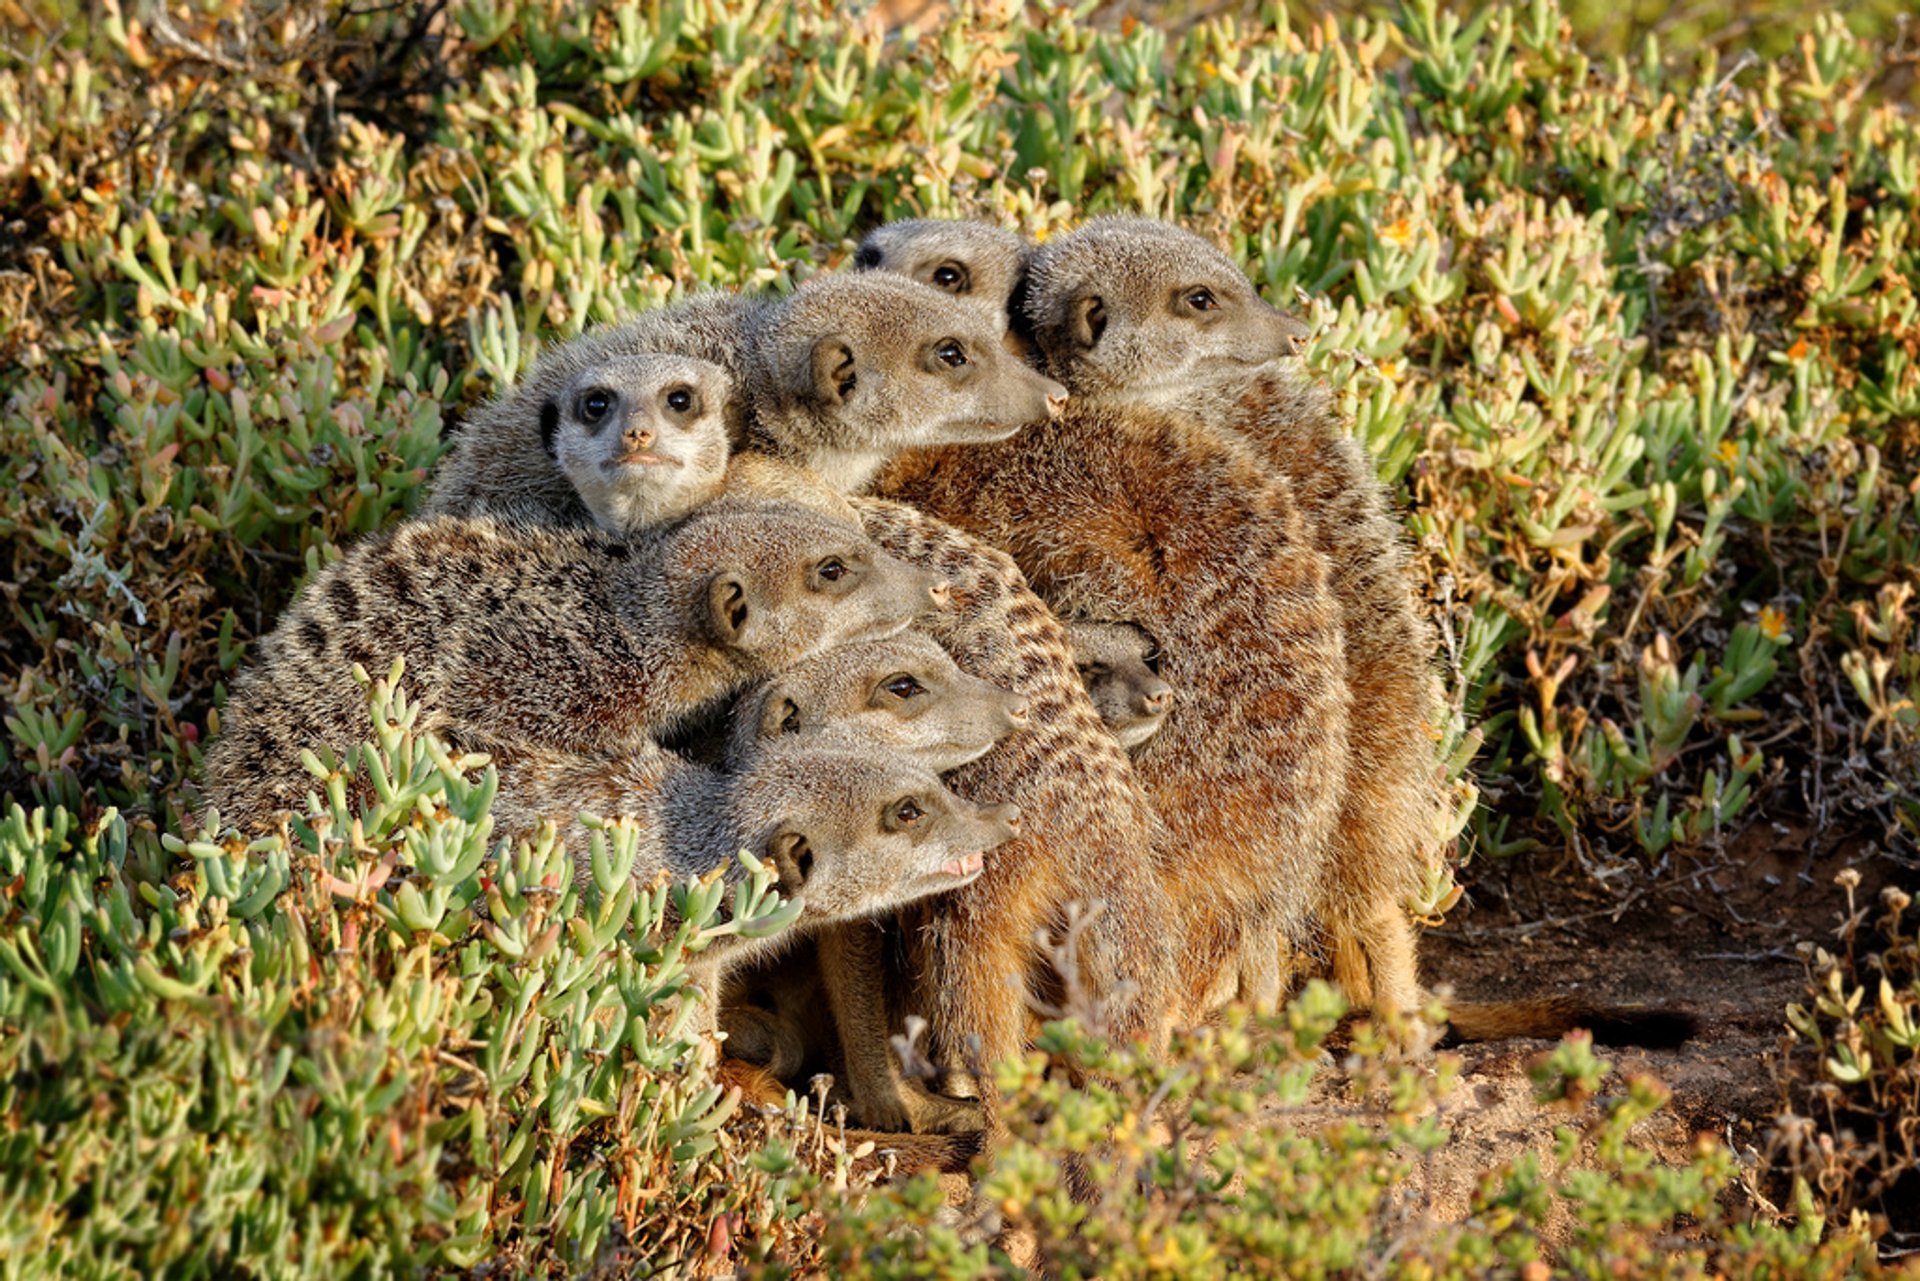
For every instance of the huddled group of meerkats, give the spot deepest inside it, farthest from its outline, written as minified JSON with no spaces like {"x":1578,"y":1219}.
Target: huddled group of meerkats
{"x":990,"y":594}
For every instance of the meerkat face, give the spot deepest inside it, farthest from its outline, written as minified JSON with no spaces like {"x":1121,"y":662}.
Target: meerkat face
{"x":852,"y":370}
{"x":959,"y":256}
{"x":642,"y":438}
{"x":775,"y":583}
{"x":1118,"y":663}
{"x":1133,"y":311}
{"x":903,"y":695}
{"x":856,"y":835}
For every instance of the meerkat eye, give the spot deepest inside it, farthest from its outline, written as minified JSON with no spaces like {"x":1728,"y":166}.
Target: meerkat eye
{"x":904,"y":686}
{"x":950,"y":276}
{"x":950,"y":354}
{"x":1203,"y":300}
{"x":907,"y":813}
{"x":833,"y":569}
{"x":680,"y":399}
{"x":595,"y":405}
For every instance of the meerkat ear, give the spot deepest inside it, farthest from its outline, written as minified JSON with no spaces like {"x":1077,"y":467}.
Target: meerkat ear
{"x":1087,"y":320}
{"x":735,"y":614}
{"x":549,"y":425}
{"x":867,"y":258}
{"x":791,"y":854}
{"x":833,"y":372}
{"x":782,"y":716}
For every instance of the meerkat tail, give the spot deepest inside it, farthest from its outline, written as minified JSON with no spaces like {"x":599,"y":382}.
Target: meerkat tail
{"x":1551,"y":1017}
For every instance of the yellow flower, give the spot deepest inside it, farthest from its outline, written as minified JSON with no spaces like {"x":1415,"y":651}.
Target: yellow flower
{"x":1729,"y":452}
{"x":1773,"y":623}
{"x":1398,"y":232}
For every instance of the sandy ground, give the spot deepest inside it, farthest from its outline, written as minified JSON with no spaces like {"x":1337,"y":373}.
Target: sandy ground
{"x":1716,"y":940}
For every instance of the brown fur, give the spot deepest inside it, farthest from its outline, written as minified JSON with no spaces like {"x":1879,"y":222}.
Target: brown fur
{"x":628,"y":638}
{"x":1230,"y":364}
{"x":1087,"y":835}
{"x":1155,"y":518}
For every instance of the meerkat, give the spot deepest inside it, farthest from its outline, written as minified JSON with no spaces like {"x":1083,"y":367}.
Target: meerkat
{"x":1154,"y":517}
{"x":904,"y":696}
{"x":1133,"y":312}
{"x":1117,"y":663}
{"x":560,"y":637}
{"x":835,"y":378}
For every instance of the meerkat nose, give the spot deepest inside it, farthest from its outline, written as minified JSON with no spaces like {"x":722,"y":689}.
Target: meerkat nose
{"x":1018,"y":712}
{"x":1056,"y":399}
{"x":638,"y":438}
{"x":941,"y":591}
{"x":1158,"y":701}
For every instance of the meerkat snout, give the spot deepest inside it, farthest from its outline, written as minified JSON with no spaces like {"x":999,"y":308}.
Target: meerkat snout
{"x":640,"y":437}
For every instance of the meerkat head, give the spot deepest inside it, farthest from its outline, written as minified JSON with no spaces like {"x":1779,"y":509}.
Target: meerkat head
{"x":1117,"y":664}
{"x":903,"y":695}
{"x":1133,"y":311}
{"x":853,"y":369}
{"x":771,"y":584}
{"x":958,"y":256}
{"x":642,"y":438}
{"x":856,"y":834}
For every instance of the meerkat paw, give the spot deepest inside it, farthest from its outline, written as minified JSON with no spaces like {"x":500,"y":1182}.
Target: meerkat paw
{"x":916,"y":1109}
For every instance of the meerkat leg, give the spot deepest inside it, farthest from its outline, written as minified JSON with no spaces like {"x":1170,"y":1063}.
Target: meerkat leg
{"x":852,"y":961}
{"x":1349,"y":964}
{"x":1265,"y":969}
{"x":1392,"y":960}
{"x":976,"y":983}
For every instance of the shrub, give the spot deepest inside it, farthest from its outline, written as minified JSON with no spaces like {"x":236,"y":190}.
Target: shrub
{"x":303,"y":1055}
